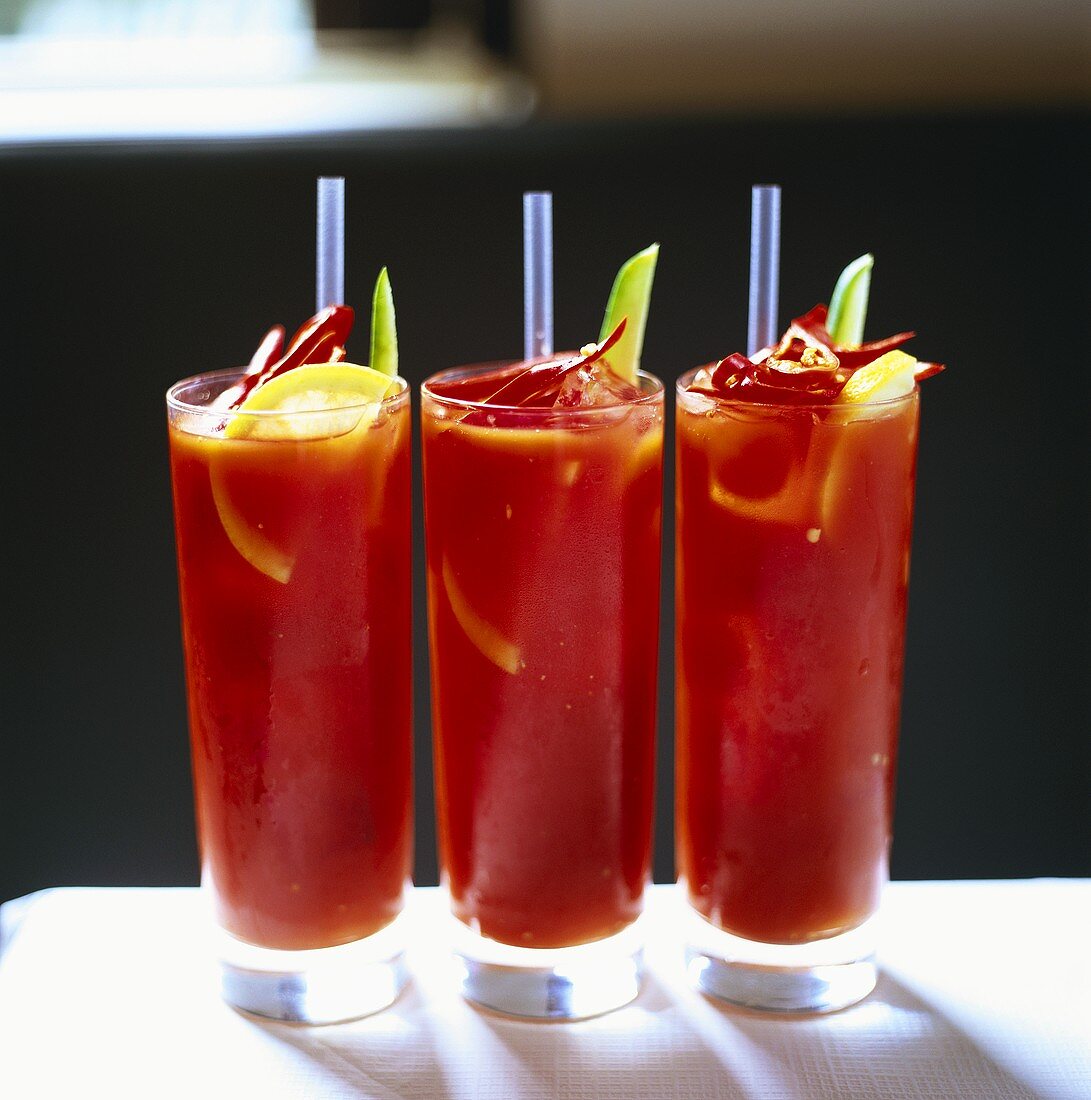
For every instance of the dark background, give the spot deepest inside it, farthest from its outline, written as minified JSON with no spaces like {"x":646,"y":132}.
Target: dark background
{"x":126,"y":269}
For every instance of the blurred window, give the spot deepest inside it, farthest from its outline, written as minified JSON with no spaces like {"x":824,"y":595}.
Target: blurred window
{"x":104,"y":70}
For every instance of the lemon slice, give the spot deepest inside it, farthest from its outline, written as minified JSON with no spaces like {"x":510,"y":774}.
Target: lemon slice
{"x":251,"y":542}
{"x":647,"y":450}
{"x":488,"y":640}
{"x":787,"y":495}
{"x":342,"y":396}
{"x":886,"y":378}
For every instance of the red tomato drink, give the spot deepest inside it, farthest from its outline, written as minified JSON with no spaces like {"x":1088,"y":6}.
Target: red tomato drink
{"x":294,"y":567}
{"x":291,"y":504}
{"x":297,"y":647}
{"x":793,"y":557}
{"x":543,"y":545}
{"x":795,"y":477}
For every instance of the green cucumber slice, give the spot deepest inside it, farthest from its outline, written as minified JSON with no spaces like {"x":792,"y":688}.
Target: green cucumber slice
{"x":384,"y":332}
{"x":629,"y":298}
{"x":848,"y":304}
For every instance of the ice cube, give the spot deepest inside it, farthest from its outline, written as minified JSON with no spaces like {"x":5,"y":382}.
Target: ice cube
{"x":592,"y":385}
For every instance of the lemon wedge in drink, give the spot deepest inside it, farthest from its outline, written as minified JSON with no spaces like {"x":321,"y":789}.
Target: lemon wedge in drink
{"x":319,"y":401}
{"x":249,"y":539}
{"x":488,"y":640}
{"x":890,"y":376}
{"x":339,"y":395}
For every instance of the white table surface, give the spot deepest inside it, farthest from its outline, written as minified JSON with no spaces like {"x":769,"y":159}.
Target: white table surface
{"x":985,"y":992}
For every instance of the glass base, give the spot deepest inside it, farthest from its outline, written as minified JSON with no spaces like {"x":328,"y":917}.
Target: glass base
{"x":325,"y":986}
{"x":823,"y":976}
{"x":565,"y":983}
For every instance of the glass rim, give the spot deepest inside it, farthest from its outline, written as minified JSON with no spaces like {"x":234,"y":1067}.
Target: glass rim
{"x":657,"y":391}
{"x":230,"y":374}
{"x":682,"y":384}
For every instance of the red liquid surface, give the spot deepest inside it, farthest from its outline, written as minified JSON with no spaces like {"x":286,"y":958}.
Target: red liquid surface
{"x":793,"y":555}
{"x":543,"y":540}
{"x":299,"y":692}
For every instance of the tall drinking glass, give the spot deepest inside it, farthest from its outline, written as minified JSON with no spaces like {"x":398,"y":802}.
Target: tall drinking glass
{"x":293,"y":556}
{"x":793,"y":526}
{"x":543,"y":546}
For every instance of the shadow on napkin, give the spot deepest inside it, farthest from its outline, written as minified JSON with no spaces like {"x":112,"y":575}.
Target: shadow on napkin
{"x":894,"y":1043}
{"x":670,"y":1042}
{"x":429,"y":1049}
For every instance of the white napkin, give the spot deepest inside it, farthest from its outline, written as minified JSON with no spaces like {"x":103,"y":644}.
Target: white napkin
{"x":983,"y":995}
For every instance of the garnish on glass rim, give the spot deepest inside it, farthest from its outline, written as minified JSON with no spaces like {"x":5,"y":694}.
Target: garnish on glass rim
{"x":321,"y":339}
{"x":810,"y":366}
{"x":539,"y":384}
{"x":565,"y":380}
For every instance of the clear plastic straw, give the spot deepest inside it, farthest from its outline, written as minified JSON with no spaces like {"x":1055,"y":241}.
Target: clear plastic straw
{"x":762,"y":330}
{"x":330,"y":236}
{"x":537,"y":274}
